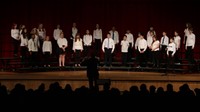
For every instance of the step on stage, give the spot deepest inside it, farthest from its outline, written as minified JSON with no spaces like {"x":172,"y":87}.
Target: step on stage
{"x":122,"y":80}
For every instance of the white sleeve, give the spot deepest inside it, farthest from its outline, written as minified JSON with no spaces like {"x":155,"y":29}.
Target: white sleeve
{"x":43,"y":46}
{"x":174,"y":49}
{"x":29,"y":45}
{"x":103,"y":45}
{"x":113,"y":43}
{"x":117,"y":37}
{"x":50,"y":45}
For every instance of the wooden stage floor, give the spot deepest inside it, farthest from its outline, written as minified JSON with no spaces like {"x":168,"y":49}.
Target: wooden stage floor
{"x":122,"y":80}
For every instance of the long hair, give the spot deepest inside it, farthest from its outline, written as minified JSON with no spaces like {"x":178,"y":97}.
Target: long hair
{"x":77,"y":37}
{"x":25,"y":34}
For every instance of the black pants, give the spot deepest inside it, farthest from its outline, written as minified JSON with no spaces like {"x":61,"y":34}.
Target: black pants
{"x":156,"y":58}
{"x":124,"y":58}
{"x":55,"y":48}
{"x":130,"y":52}
{"x":92,"y":78}
{"x":77,"y":56}
{"x":114,"y":54}
{"x":24,"y":51}
{"x":170,"y":60}
{"x":97,"y":47}
{"x":149,"y":55}
{"x":176,"y":57}
{"x":137,"y":56}
{"x":108,"y":57}
{"x":190,"y":54}
{"x":47,"y":56}
{"x":15,"y":46}
{"x":142,"y":58}
{"x":71,"y":41}
{"x":163,"y":53}
{"x":34,"y":59}
{"x":87,"y":50}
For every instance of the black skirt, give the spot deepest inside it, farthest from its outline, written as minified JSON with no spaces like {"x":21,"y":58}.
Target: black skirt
{"x":61,"y":51}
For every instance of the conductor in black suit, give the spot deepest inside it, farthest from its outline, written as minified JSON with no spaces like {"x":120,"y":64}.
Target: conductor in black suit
{"x":92,"y":71}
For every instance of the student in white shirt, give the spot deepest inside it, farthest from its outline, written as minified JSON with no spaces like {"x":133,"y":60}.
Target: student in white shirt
{"x":15,"y":38}
{"x":62,"y":44}
{"x":87,"y":40}
{"x":151,"y":29}
{"x":97,"y":39}
{"x":190,"y":43}
{"x":130,"y":39}
{"x":77,"y":48}
{"x":115,"y":36}
{"x":47,"y":51}
{"x":56,"y":35}
{"x":21,"y":28}
{"x":171,"y":50}
{"x":108,"y":48}
{"x":33,"y":46}
{"x":124,"y":50}
{"x":149,"y":43}
{"x":177,"y":41}
{"x":163,"y":45}
{"x":136,"y":48}
{"x":186,"y":32}
{"x":74,"y":31}
{"x":35,"y":32}
{"x":155,"y":48}
{"x":24,"y":45}
{"x":142,"y":46}
{"x":41,"y":33}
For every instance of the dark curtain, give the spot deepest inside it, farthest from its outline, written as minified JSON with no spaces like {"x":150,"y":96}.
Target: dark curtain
{"x":136,"y":15}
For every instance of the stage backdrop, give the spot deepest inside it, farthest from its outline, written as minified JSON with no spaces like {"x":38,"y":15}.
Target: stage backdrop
{"x":136,"y":15}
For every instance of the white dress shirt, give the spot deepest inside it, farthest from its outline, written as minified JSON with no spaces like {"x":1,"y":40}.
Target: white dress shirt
{"x":136,"y":42}
{"x":142,"y":44}
{"x":15,"y":34}
{"x":164,"y":41}
{"x":97,"y":34}
{"x":109,"y":44}
{"x":62,"y":42}
{"x":171,"y":47}
{"x":190,"y":40}
{"x":87,"y":40}
{"x":24,"y":41}
{"x":74,"y":31}
{"x":47,"y":47}
{"x":177,"y":41}
{"x":156,"y":46}
{"x":114,"y":36}
{"x":41,"y":33}
{"x":78,"y":45}
{"x":33,"y":45}
{"x":186,"y":32}
{"x":124,"y":46}
{"x":130,"y":38}
{"x":56,"y":33}
{"x":148,"y":33}
{"x":149,"y":40}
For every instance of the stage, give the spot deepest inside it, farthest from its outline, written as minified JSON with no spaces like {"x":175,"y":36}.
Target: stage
{"x":122,"y":80}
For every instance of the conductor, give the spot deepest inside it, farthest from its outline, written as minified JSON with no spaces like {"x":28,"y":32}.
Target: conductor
{"x":92,"y":71}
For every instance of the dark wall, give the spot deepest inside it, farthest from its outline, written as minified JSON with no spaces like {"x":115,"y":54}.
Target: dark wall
{"x":136,"y":15}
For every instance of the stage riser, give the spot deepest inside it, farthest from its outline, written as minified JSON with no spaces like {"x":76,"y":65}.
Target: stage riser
{"x":121,"y":85}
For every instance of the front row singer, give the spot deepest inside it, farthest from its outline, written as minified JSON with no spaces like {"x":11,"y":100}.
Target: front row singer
{"x":108,"y":48}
